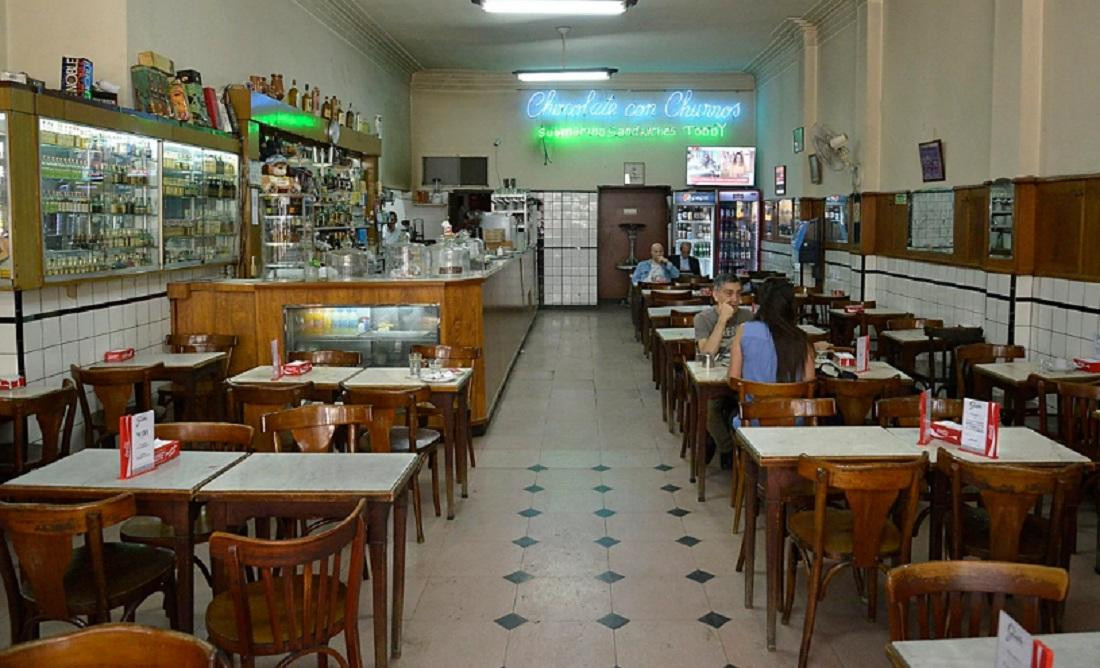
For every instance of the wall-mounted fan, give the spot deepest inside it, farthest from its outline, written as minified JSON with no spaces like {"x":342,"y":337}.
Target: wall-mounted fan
{"x":832,"y":149}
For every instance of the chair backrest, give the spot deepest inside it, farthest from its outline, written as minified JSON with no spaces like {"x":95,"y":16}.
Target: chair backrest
{"x":913,"y":323}
{"x":681,"y":318}
{"x":666,"y":297}
{"x":683,"y":351}
{"x":462,"y":357}
{"x":942,"y":342}
{"x":116,"y":645}
{"x":1078,"y":425}
{"x":55,"y":413}
{"x":207,"y":436}
{"x":385,"y":403}
{"x":314,"y":426}
{"x":967,"y":356}
{"x":856,"y":398}
{"x":287,"y":569}
{"x":327,"y":357}
{"x":751,"y":391}
{"x":871,"y":490}
{"x":951,"y":597}
{"x":787,"y":412}
{"x":204,"y":343}
{"x":1010,"y":496}
{"x":249,"y":403}
{"x":113,"y":386}
{"x":748,"y":300}
{"x":905,"y":411}
{"x":688,"y":301}
{"x":41,"y":536}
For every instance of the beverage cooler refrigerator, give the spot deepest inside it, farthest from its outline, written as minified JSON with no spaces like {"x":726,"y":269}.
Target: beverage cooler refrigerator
{"x":382,"y":335}
{"x":693,"y":221}
{"x":738,"y":243}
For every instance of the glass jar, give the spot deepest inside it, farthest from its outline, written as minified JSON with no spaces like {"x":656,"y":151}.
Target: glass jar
{"x":450,"y":259}
{"x":408,"y":260}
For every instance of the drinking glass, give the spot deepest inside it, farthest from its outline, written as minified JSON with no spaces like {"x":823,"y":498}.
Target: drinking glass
{"x":436,"y":366}
{"x":414,"y":364}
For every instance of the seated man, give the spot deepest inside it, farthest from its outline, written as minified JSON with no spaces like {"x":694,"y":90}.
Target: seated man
{"x":685,"y":261}
{"x":714,"y":330}
{"x":657,"y":269}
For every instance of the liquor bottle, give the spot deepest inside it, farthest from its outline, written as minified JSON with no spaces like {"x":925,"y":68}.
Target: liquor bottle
{"x":292,"y":94}
{"x":307,"y":100}
{"x":276,"y":87}
{"x":326,"y":109}
{"x":349,"y":118}
{"x":316,"y":101}
{"x":337,"y":111}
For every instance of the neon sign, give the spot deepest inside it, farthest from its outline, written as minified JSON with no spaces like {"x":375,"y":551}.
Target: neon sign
{"x":678,"y":105}
{"x":613,"y":131}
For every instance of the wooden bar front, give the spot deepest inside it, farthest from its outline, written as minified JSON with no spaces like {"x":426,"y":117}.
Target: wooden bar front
{"x":492,"y":310}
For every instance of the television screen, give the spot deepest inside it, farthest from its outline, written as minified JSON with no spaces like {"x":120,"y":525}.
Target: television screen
{"x":721,"y":165}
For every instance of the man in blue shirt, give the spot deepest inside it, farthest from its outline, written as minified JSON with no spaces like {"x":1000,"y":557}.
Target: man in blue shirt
{"x":657,"y":269}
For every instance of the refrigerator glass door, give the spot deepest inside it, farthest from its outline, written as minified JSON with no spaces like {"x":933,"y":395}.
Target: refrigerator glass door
{"x":739,"y":231}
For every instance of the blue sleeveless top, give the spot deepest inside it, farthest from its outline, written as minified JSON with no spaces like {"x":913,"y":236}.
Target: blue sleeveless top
{"x":759,"y":362}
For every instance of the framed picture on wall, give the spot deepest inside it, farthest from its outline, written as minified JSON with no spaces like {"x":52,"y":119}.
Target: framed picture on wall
{"x":634,"y":173}
{"x":815,"y":168}
{"x":931,"y":160}
{"x":799,"y":136}
{"x":781,"y":180}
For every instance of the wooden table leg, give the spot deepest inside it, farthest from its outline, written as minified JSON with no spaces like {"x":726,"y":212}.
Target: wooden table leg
{"x":705,"y":395}
{"x":699,"y":428}
{"x":748,"y":537}
{"x":445,"y":403}
{"x":773,"y":507}
{"x":400,"y":509}
{"x":463,"y":444}
{"x":182,"y":519}
{"x":377,"y":529}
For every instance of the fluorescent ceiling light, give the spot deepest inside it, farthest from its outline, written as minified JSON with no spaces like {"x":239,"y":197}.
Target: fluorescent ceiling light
{"x":595,"y":74}
{"x":571,"y":7}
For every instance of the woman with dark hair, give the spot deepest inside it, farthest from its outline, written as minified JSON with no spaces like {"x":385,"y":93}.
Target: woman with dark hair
{"x":771,"y":348}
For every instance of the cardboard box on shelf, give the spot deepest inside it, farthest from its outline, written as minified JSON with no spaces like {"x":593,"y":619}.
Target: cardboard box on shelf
{"x":150,"y":90}
{"x":157,"y":62}
{"x":76,"y":76}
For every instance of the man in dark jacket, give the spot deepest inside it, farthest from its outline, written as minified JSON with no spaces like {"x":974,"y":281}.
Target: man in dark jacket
{"x":685,"y":261}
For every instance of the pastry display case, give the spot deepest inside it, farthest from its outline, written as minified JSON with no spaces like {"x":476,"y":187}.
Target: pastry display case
{"x":201,"y":214}
{"x":287,"y":222}
{"x":382,"y":335}
{"x":100,"y":201}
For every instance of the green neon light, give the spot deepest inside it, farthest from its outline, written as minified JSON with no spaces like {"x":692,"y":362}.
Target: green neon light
{"x":601,"y":133}
{"x":287,"y":120}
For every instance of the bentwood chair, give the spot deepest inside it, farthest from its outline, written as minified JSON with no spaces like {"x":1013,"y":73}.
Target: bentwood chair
{"x":956,"y":599}
{"x":862,"y":536}
{"x":966,"y":357}
{"x":890,"y":350}
{"x":905,"y":411}
{"x":55,"y":413}
{"x":388,"y":435}
{"x":56,"y":581}
{"x":460,"y":357}
{"x":1079,"y":429}
{"x":942,"y":343}
{"x":209,"y":392}
{"x":297,"y":601}
{"x":314,"y":427}
{"x":681,"y":318}
{"x":116,"y":645}
{"x":249,"y":403}
{"x":208,"y":436}
{"x":327,"y":357}
{"x":113,"y":387}
{"x":855,"y":399}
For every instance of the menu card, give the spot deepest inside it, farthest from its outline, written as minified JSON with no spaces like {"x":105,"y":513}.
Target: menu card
{"x":981,"y":427}
{"x":1016,"y":648}
{"x":863,"y":354}
{"x":276,"y":361}
{"x":136,"y":444}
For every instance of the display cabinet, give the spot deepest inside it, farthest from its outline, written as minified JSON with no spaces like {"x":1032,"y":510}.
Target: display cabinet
{"x":382,"y":335}
{"x":100,"y":201}
{"x":1001,"y":227}
{"x":784,"y":218}
{"x":288,"y":247}
{"x":836,"y":219}
{"x":5,"y":210}
{"x":201,"y":214}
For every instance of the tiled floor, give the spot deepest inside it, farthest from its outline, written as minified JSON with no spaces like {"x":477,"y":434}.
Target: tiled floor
{"x":566,"y":555}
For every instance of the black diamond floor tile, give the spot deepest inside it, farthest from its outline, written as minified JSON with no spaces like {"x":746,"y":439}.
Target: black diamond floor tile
{"x":604,"y":512}
{"x":537,"y":468}
{"x":530,"y":512}
{"x":601,"y":468}
{"x":690,"y":541}
{"x":511,"y":621}
{"x":534,"y":489}
{"x":602,"y":489}
{"x":609,"y":577}
{"x":519,"y":577}
{"x":670,"y":488}
{"x":714,"y":619}
{"x":679,"y":512}
{"x":613,"y":621}
{"x":607,"y":541}
{"x":663,"y":467}
{"x":699,"y":576}
{"x":525,"y":541}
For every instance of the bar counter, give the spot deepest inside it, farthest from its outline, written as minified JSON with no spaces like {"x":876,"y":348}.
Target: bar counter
{"x":491,"y":309}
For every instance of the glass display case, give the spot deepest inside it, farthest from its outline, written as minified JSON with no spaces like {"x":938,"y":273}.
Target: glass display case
{"x":784,"y":217}
{"x":1001,"y":203}
{"x":100,"y":201}
{"x":5,"y":211}
{"x":201,"y":213}
{"x":287,"y":221}
{"x":836,"y":219}
{"x":382,"y":335}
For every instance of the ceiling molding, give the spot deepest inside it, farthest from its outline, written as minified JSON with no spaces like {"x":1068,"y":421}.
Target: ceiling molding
{"x":477,"y":81}
{"x":348,"y":20}
{"x":827,"y":17}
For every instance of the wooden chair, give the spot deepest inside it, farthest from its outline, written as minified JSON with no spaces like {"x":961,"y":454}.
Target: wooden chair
{"x":666,"y":297}
{"x":116,"y":645}
{"x":208,"y":436}
{"x":249,"y":403}
{"x":327,"y":357}
{"x":951,"y":597}
{"x":55,"y":412}
{"x":905,"y":411}
{"x":842,"y":331}
{"x":942,"y":342}
{"x":862,"y":536}
{"x":387,"y":435}
{"x":1080,"y":431}
{"x":966,"y":357}
{"x":856,"y":398}
{"x":459,"y":357}
{"x":59,"y":582}
{"x":681,"y":318}
{"x":314,"y":427}
{"x":679,"y":392}
{"x":210,"y":391}
{"x":113,"y":386}
{"x":889,"y":349}
{"x":1010,"y":524}
{"x":912,"y":323}
{"x":297,"y":601}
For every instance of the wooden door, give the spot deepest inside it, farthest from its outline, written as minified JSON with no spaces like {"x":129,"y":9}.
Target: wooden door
{"x":647,"y":205}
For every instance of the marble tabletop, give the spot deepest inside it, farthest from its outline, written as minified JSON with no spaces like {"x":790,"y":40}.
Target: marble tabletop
{"x":784,"y":443}
{"x":841,"y":313}
{"x":813,"y":330}
{"x":716,"y":375}
{"x":26,"y":392}
{"x":323,"y":377}
{"x":880,"y":370}
{"x":676,"y":333}
{"x":1017,"y":445}
{"x":906,"y":335}
{"x":1071,"y":650}
{"x":666,"y":311}
{"x":98,"y":469}
{"x":694,"y":293}
{"x":170,"y":360}
{"x":399,"y":377}
{"x":1017,"y":372}
{"x":309,"y":474}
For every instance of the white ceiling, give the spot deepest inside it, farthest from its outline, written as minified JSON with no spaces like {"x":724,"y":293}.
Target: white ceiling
{"x":653,"y":36}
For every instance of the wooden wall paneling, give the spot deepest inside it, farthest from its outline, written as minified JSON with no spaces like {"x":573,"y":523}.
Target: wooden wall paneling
{"x":650,"y":207}
{"x":1060,"y":218}
{"x":869,"y":209}
{"x":971,"y":225}
{"x":1090,"y":233}
{"x":1024,"y":212}
{"x":25,"y":224}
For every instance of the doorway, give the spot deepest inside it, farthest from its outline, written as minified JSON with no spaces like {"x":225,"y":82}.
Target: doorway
{"x":645,"y":205}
